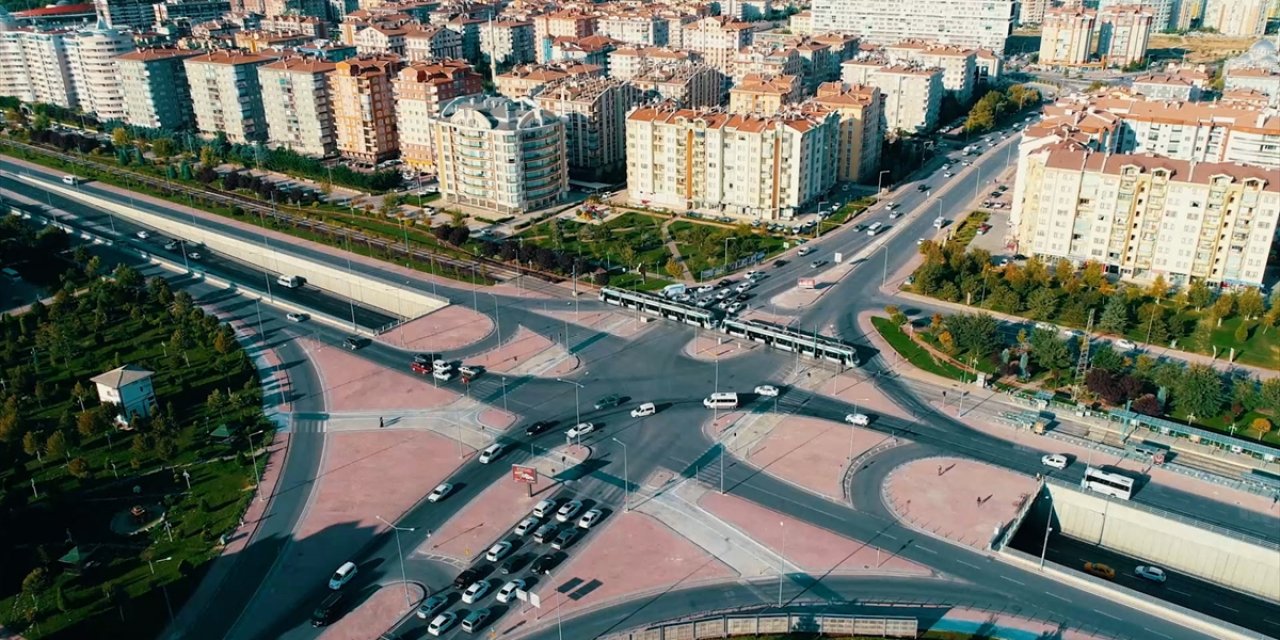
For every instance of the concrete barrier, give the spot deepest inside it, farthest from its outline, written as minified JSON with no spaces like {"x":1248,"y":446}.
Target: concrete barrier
{"x":389,"y":297}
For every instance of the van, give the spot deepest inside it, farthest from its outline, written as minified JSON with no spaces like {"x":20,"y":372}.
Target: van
{"x":875,"y":228}
{"x":722,"y":400}
{"x":71,"y":180}
{"x":343,"y":575}
{"x":646,"y":409}
{"x":293,"y":282}
{"x":327,"y":611}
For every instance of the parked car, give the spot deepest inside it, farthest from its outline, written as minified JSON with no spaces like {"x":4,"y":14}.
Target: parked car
{"x":515,"y":563}
{"x":767,"y":391}
{"x":569,"y":510}
{"x":858,"y":419}
{"x":498,"y":551}
{"x":525,"y":527}
{"x":508,"y":590}
{"x":431,"y":606}
{"x":545,"y":532}
{"x":442,"y":623}
{"x":590,"y":518}
{"x":1100,"y":570}
{"x":565,"y":538}
{"x":1055,"y":460}
{"x":545,"y":563}
{"x":1154,"y":574}
{"x":544,"y":508}
{"x":437,"y":494}
{"x":476,"y":592}
{"x":466,"y":577}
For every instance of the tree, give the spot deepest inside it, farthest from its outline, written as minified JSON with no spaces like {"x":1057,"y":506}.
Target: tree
{"x":1269,"y":396}
{"x":223,"y":342}
{"x":30,"y":445}
{"x":1106,"y":358}
{"x":35,"y":582}
{"x":79,"y":468}
{"x":1261,"y":426}
{"x":896,"y":315}
{"x":1241,"y":334}
{"x":1042,"y":304}
{"x":1199,"y":392}
{"x":1199,"y":294}
{"x":1250,"y":304}
{"x":1115,"y":316}
{"x":87,"y":423}
{"x":1049,"y":351}
{"x":56,"y":445}
{"x":1223,"y":307}
{"x":162,"y":147}
{"x":1158,"y":288}
{"x":673,"y":268}
{"x":975,"y":334}
{"x":120,"y":137}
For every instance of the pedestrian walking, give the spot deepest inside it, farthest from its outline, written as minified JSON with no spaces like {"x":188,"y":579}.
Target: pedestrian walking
{"x":381,"y":424}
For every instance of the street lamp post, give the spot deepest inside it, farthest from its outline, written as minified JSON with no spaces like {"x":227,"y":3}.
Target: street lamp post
{"x":404,"y":576}
{"x":626,"y":477}
{"x":577,"y":403}
{"x":880,"y":183}
{"x":1044,"y":548}
{"x":257,"y":478}
{"x":783,"y":558}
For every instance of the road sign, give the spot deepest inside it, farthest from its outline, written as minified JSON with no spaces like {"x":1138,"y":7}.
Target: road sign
{"x":535,"y":600}
{"x":524,"y":475}
{"x":522,"y":595}
{"x":806,"y":283}
{"x":839,"y":257}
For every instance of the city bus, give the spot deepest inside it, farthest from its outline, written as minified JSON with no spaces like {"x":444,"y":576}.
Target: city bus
{"x":874,"y":228}
{"x":1112,"y":484}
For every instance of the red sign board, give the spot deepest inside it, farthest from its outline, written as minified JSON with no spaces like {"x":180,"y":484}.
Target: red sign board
{"x":806,"y":283}
{"x":524,"y":475}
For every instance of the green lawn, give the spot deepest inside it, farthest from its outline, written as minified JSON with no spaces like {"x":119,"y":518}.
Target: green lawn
{"x":914,"y":353}
{"x":968,"y":228}
{"x":704,"y":246}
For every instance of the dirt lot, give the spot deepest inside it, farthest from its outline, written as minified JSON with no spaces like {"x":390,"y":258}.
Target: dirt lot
{"x":1198,"y":48}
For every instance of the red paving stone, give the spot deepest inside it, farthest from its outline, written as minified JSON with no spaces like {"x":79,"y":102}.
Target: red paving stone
{"x":710,"y":347}
{"x":517,"y":348}
{"x":861,"y":391}
{"x":452,"y":327}
{"x":813,"y":549}
{"x":630,"y":554}
{"x":813,"y":453}
{"x":376,"y":614}
{"x":948,"y":504}
{"x":355,"y":384}
{"x":610,"y":321}
{"x":497,"y":419}
{"x":484,"y":519}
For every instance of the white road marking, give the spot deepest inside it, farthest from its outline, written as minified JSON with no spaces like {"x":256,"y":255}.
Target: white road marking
{"x":1105,"y":614}
{"x":1014,"y":581}
{"x":927,"y":549}
{"x":1223,"y":606}
{"x":1057,"y":596}
{"x":968,"y":564}
{"x":1184,"y":593}
{"x":1156,"y":633}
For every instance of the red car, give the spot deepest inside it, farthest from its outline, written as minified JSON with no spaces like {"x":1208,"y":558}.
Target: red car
{"x":419,"y":368}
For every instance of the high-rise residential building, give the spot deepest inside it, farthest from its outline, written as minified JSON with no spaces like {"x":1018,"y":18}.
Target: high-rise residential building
{"x":594,"y":113}
{"x":422,"y":90}
{"x":1067,"y":37}
{"x":861,"y":129}
{"x":1162,"y":11}
{"x":298,"y":106}
{"x":156,"y":93}
{"x":1147,"y":216}
{"x":1242,"y":18}
{"x":626,"y":62}
{"x":763,"y":94}
{"x":560,"y":24}
{"x":748,"y":166}
{"x":959,"y":64}
{"x":969,"y":23}
{"x":718,"y":39}
{"x":525,"y":80}
{"x":95,"y":72}
{"x":641,"y":28}
{"x":499,"y":154}
{"x":507,"y":42}
{"x":364,"y":108}
{"x":759,"y":60}
{"x":226,"y":96}
{"x":912,"y":95}
{"x":1032,"y":11}
{"x":189,"y":11}
{"x":1124,"y":30}
{"x":1184,"y":13}
{"x":36,"y":65}
{"x":433,"y":42}
{"x":137,"y":15}
{"x":688,"y":85}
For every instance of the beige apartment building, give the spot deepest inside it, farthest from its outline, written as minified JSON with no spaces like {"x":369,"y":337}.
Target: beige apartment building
{"x":959,"y":65}
{"x":688,"y":85}
{"x":507,"y":42}
{"x":525,"y":80}
{"x":429,"y":43}
{"x":95,"y":72}
{"x":1066,"y":39}
{"x":36,"y":66}
{"x":912,"y":95}
{"x":761,"y":60}
{"x":381,"y":40}
{"x":156,"y":93}
{"x":640,"y":28}
{"x":717,"y":40}
{"x":364,"y":108}
{"x":298,"y":105}
{"x":226,"y":96}
{"x":422,"y":90}
{"x":1124,"y":30}
{"x":594,"y":113}
{"x":1240,"y":18}
{"x":501,"y":155}
{"x":626,"y":62}
{"x":747,"y":166}
{"x":1147,"y":216}
{"x":560,"y":24}
{"x":763,"y":94}
{"x":860,"y":109}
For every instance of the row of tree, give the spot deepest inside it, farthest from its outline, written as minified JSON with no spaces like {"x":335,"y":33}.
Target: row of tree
{"x":995,"y":105}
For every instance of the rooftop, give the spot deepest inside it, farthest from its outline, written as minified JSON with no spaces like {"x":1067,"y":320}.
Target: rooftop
{"x":122,"y":376}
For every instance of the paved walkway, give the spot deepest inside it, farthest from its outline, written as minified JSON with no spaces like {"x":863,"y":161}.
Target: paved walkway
{"x":380,"y":611}
{"x":674,"y":248}
{"x":446,"y":329}
{"x":957,"y":499}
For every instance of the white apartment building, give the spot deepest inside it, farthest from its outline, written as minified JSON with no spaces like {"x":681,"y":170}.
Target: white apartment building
{"x":969,"y":23}
{"x":432,"y":43}
{"x":1167,"y":86}
{"x":1123,"y":34}
{"x":1246,"y":18}
{"x":1264,"y":81}
{"x":1163,"y":12}
{"x":626,"y":62}
{"x":959,"y":65}
{"x":748,"y":166}
{"x":506,"y":43}
{"x":594,"y":113}
{"x":156,"y":94}
{"x":1067,"y":37}
{"x":641,"y":29}
{"x":298,"y":106}
{"x":95,"y":72}
{"x":717,"y":40}
{"x":422,"y":89}
{"x":912,"y":95}
{"x":1144,"y":216}
{"x":689,"y":85}
{"x":36,"y":66}
{"x":500,"y":154}
{"x":226,"y":96}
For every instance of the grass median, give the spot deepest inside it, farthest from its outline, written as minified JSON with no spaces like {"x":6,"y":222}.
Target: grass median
{"x":915,"y":354}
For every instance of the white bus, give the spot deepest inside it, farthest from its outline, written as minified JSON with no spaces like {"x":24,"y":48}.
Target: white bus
{"x":722,"y":400}
{"x":1112,"y":484}
{"x":875,"y":228}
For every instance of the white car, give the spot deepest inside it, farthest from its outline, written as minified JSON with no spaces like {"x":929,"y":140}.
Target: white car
{"x":498,"y":551}
{"x":590,"y":518}
{"x":297,"y":317}
{"x":508,"y":591}
{"x":894,"y":215}
{"x":767,"y":391}
{"x":1154,"y":574}
{"x":437,"y":494}
{"x":891,"y":205}
{"x":442,"y":623}
{"x":475,"y":592}
{"x":948,"y":174}
{"x":491,"y":453}
{"x":525,"y":526}
{"x":859,"y":419}
{"x":1126,"y":345}
{"x":581,"y":429}
{"x":646,"y":409}
{"x":569,"y":510}
{"x":143,"y":235}
{"x":343,"y":575}
{"x":754,"y":274}
{"x":1055,"y":460}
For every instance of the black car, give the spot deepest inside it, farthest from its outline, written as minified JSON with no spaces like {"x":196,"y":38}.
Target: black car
{"x":354,"y":342}
{"x":328,"y":610}
{"x":425,"y":358}
{"x":515,"y":563}
{"x":537,"y":428}
{"x":609,"y":401}
{"x":545,"y":563}
{"x":565,"y":538}
{"x":466,"y":577}
{"x":922,"y":187}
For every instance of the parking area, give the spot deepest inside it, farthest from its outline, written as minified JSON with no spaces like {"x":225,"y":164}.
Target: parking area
{"x":730,"y":295}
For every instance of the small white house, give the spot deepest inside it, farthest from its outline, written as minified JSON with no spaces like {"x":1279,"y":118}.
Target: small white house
{"x":130,"y":388}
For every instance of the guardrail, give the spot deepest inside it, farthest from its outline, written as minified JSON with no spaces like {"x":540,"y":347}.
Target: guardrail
{"x":729,"y":626}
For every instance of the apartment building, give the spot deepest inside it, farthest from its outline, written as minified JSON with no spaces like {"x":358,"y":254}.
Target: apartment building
{"x":959,"y":65}
{"x":156,"y":94}
{"x":189,"y":11}
{"x":1162,"y":11}
{"x":751,"y":167}
{"x":594,"y":113}
{"x":989,"y":64}
{"x":860,"y":108}
{"x":560,"y":24}
{"x":422,"y":90}
{"x":136,"y":15}
{"x":364,"y":108}
{"x":587,"y":50}
{"x":1241,"y":18}
{"x":226,"y":96}
{"x":298,"y":105}
{"x":526,"y":79}
{"x":717,"y":40}
{"x":912,"y":95}
{"x":626,"y":62}
{"x":381,"y":40}
{"x":309,"y":26}
{"x":801,"y":23}
{"x":1066,"y":38}
{"x":1124,"y":30}
{"x":36,"y":65}
{"x":765,"y":61}
{"x":968,"y":23}
{"x":499,"y":154}
{"x":469,"y":29}
{"x":1264,"y":81}
{"x":688,"y":85}
{"x":423,"y":44}
{"x":507,"y":42}
{"x":1167,"y":86}
{"x":95,"y":72}
{"x":763,"y":94}
{"x":641,"y":28}
{"x":1032,"y":11}
{"x":1146,"y":216}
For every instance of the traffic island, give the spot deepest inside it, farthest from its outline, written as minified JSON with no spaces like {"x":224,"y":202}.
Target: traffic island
{"x":709,"y":347}
{"x":448,"y":329}
{"x":812,"y":453}
{"x":351,"y":383}
{"x":381,"y":610}
{"x":956,"y":499}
